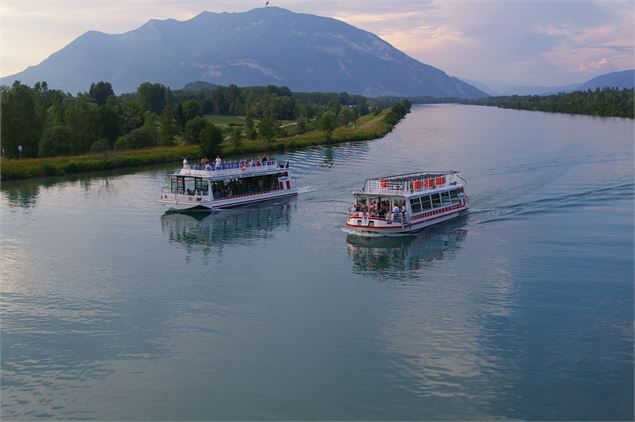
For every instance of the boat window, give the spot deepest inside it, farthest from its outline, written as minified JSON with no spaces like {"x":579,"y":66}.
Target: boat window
{"x":180,"y":185}
{"x":425,"y":201}
{"x":173,"y":185}
{"x":415,"y":205}
{"x":436,"y":200}
{"x":245,"y":186}
{"x":446,"y":198}
{"x":454,"y":196}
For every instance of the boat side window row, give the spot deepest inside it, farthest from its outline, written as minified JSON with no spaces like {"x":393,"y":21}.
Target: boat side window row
{"x":189,"y":186}
{"x":435,"y":200}
{"x":244,"y":186}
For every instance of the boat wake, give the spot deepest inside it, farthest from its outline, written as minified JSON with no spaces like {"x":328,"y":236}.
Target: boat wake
{"x":376,"y":235}
{"x":552,"y":204}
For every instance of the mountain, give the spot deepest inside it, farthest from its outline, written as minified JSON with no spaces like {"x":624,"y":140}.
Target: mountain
{"x":623,"y":79}
{"x":262,"y":46}
{"x":483,"y":87}
{"x":198,"y":85}
{"x":539,"y":90}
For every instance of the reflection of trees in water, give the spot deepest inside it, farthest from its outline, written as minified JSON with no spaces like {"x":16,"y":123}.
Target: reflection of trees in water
{"x":212,"y":231}
{"x":21,"y":194}
{"x":403,"y":256}
{"x":326,"y":156}
{"x":24,"y":193}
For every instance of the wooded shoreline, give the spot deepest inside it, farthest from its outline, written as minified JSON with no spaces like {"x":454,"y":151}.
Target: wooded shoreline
{"x":365,"y":128}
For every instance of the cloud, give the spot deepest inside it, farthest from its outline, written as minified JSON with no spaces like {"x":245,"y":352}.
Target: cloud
{"x":499,"y":42}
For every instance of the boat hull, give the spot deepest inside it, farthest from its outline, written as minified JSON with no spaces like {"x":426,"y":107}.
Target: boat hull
{"x":363,"y":226}
{"x":182,"y":204}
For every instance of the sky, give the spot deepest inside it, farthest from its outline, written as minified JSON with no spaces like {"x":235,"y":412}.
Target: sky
{"x":499,"y":43}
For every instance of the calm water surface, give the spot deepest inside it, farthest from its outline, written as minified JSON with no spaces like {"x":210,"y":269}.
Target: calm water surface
{"x":112,"y":309}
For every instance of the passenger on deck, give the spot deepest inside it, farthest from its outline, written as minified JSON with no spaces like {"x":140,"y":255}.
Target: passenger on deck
{"x":396,"y":212}
{"x":218,"y":161}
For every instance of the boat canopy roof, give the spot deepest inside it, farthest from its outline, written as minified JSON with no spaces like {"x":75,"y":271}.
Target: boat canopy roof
{"x":232,"y":170}
{"x":411,"y":183}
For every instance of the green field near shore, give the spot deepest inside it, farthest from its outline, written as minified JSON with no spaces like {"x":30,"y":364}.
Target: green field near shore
{"x":365,"y":128}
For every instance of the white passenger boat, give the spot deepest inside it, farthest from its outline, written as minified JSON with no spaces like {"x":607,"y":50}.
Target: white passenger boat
{"x":228,"y":184}
{"x":406,"y":203}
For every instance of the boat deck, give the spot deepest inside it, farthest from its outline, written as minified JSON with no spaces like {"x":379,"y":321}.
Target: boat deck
{"x":230,"y":170}
{"x":406,"y":184}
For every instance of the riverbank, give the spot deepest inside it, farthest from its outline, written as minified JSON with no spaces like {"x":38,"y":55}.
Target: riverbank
{"x":608,"y":102}
{"x":365,"y":128}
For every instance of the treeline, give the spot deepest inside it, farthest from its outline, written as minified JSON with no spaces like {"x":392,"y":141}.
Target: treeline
{"x":601,"y":102}
{"x":46,"y":122}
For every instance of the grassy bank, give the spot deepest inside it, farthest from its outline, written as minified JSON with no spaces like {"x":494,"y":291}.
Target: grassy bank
{"x":366,"y":127}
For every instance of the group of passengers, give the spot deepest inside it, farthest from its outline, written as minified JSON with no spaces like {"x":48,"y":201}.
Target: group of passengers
{"x":381,"y":209}
{"x":219,"y":164}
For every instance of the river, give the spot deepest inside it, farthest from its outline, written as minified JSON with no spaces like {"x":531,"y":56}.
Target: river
{"x":113,"y":309}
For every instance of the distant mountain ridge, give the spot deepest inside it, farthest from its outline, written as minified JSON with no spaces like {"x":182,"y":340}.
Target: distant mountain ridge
{"x":622,"y":79}
{"x":259,"y":47}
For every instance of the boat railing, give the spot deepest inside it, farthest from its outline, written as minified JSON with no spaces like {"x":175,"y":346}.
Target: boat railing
{"x":412,"y":183}
{"x":230,"y":169}
{"x":400,"y":217}
{"x":185,"y":191}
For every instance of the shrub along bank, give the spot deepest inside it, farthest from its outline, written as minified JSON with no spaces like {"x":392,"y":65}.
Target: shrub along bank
{"x":367,"y":127}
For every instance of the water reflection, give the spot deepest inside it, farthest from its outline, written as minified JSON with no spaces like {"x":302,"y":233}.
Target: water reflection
{"x":22,"y":194}
{"x":403,"y":256}
{"x":210,"y":232}
{"x":25,"y":193}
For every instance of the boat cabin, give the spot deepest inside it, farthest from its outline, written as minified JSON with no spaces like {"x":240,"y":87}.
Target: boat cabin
{"x":410,"y":201}
{"x":228,"y":184}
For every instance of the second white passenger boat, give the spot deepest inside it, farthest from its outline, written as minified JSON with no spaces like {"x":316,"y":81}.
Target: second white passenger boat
{"x":227,"y":184}
{"x":406,"y":203}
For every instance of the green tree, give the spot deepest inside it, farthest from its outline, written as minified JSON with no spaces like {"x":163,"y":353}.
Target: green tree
{"x":143,"y":137}
{"x":302,"y":125}
{"x":179,"y":116}
{"x":56,"y":140}
{"x":101,"y":145}
{"x":19,"y":122}
{"x":211,"y":139}
{"x":150,"y":123}
{"x":82,"y":120}
{"x":193,"y":129}
{"x":130,"y":116}
{"x":345,"y":117}
{"x":191,"y":109}
{"x":167,"y":127}
{"x":100,"y":92}
{"x":249,"y":121}
{"x":267,"y":128}
{"x":326,"y":123}
{"x":236,"y":138}
{"x":109,"y":123}
{"x":151,"y":97}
